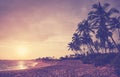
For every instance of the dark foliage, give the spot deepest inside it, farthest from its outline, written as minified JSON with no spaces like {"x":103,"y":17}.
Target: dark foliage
{"x":96,"y":33}
{"x":104,"y":48}
{"x":116,"y":64}
{"x":98,"y":59}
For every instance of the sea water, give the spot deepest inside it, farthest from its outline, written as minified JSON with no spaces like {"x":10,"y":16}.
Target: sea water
{"x":16,"y":65}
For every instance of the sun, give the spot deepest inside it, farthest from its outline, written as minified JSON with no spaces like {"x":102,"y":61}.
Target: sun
{"x":22,"y":51}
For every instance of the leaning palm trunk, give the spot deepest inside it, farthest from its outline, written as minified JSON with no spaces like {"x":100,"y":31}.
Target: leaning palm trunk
{"x":100,"y":24}
{"x":119,"y":33}
{"x":115,"y":44}
{"x":91,"y":49}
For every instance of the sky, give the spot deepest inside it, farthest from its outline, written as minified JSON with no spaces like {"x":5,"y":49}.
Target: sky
{"x":37,"y":28}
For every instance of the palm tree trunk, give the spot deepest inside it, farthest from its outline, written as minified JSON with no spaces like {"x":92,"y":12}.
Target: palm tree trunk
{"x":119,"y":33}
{"x":105,"y":50}
{"x":90,"y":48}
{"x":115,"y":44}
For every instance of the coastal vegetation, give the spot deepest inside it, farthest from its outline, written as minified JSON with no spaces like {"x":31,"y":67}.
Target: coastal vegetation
{"x":96,"y":47}
{"x":97,"y":38}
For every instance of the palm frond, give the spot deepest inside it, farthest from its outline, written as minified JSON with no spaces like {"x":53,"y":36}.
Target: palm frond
{"x":112,"y":11}
{"x":106,"y":5}
{"x":95,"y":6}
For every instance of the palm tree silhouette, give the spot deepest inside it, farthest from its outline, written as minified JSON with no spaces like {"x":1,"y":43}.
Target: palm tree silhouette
{"x":111,"y":46}
{"x":100,"y":18}
{"x":100,"y":23}
{"x":75,"y":44}
{"x":82,"y":38}
{"x":115,"y":24}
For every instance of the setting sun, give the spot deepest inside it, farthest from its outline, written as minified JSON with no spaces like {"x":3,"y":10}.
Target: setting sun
{"x":59,"y":38}
{"x":22,"y":51}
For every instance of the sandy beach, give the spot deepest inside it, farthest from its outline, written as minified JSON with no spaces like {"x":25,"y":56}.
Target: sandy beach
{"x":67,"y":68}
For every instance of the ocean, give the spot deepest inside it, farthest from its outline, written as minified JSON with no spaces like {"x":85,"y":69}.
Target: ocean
{"x":16,"y":65}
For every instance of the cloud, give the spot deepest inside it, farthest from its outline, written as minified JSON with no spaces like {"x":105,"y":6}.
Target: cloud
{"x":42,"y":23}
{"x":41,"y":19}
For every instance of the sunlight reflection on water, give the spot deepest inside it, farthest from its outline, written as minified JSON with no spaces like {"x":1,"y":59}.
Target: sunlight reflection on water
{"x":16,"y":65}
{"x":21,"y":65}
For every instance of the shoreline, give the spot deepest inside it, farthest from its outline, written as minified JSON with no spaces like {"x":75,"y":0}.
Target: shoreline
{"x":37,"y":65}
{"x":65,"y":68}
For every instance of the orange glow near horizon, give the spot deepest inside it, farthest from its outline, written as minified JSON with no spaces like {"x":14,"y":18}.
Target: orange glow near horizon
{"x":39,"y":28}
{"x":22,"y":51}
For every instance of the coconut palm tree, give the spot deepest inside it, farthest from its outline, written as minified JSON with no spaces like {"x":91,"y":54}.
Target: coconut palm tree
{"x":97,"y":46}
{"x":101,"y":23}
{"x":84,"y":26}
{"x":111,"y":47}
{"x":75,"y":44}
{"x":115,"y":24}
{"x":82,"y":39}
{"x":100,"y":17}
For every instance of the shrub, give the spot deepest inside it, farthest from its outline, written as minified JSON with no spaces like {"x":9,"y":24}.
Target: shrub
{"x":116,"y":64}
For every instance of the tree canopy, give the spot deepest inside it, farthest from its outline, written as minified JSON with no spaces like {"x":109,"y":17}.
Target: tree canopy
{"x":99,"y":32}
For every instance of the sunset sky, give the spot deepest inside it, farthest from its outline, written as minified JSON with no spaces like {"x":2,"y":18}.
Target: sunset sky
{"x":38,"y":28}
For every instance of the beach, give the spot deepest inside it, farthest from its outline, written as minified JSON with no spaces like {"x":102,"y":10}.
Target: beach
{"x":65,"y":68}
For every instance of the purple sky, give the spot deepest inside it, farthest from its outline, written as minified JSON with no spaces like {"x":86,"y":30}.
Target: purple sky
{"x":37,"y":28}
